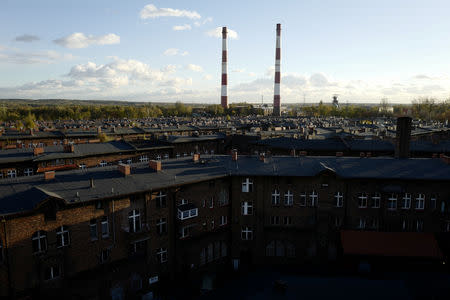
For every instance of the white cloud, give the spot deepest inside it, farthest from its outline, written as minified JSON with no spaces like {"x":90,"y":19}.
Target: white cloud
{"x":195,"y":68}
{"x":318,"y":80}
{"x":175,"y":51}
{"x":151,"y":11}
{"x":14,"y":56}
{"x":217,"y":32}
{"x":200,"y":23}
{"x":207,"y":77}
{"x":238,"y":70}
{"x":80,"y":40}
{"x":169,"y":69}
{"x":27,"y":38}
{"x":182,"y":27}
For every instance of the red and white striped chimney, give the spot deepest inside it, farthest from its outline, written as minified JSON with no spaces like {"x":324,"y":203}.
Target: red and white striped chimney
{"x":223,"y":95}
{"x":276,"y":94}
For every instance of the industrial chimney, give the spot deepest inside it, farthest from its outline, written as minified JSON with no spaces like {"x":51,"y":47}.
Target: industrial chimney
{"x":276,"y":94}
{"x":223,"y":95}
{"x":403,"y":137}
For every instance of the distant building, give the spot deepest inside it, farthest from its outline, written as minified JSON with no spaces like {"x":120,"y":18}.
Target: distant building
{"x":335,"y":101}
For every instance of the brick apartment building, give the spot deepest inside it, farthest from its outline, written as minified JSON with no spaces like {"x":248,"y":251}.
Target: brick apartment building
{"x":127,"y":230}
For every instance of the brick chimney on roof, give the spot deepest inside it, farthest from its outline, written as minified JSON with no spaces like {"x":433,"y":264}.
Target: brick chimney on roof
{"x":49,"y":175}
{"x":124,"y":169}
{"x":234,"y":155}
{"x":155,"y":165}
{"x":38,"y":151}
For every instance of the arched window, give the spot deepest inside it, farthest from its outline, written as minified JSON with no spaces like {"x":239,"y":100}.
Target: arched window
{"x":279,"y":250}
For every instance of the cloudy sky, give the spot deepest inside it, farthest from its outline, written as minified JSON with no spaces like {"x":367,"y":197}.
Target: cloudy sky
{"x":170,"y":50}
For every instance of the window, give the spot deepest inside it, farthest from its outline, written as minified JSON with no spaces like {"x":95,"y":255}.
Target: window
{"x":375,"y":223}
{"x":288,"y":198}
{"x":419,"y":225}
{"x":11,"y":173}
{"x":420,"y":202}
{"x":138,"y":247}
{"x":143,"y":158}
{"x":166,"y":156}
{"x":376,"y":199}
{"x":362,"y":200}
{"x":161,"y":200}
{"x":223,"y":220}
{"x":62,"y":237}
{"x":82,"y":166}
{"x":161,"y":255}
{"x":247,"y":186}
{"x":134,"y":220}
{"x":313,"y":197}
{"x":93,"y":229}
{"x":104,"y":255}
{"x":446,"y":227}
{"x":433,"y":201}
{"x":184,"y":154}
{"x":39,"y":240}
{"x":129,"y":161}
{"x":392,"y":202}
{"x":103,"y":163}
{"x":362,"y":223}
{"x":185,"y":232}
{"x":270,"y":249}
{"x":51,"y":272}
{"x":274,"y":220}
{"x":105,"y":227}
{"x":178,"y":155}
{"x":406,"y":201}
{"x":223,"y":197}
{"x":339,"y":199}
{"x":28,"y":172}
{"x":183,"y":201}
{"x":303,"y":199}
{"x":247,"y":208}
{"x":211,"y":202}
{"x":213,"y":224}
{"x":276,"y":197}
{"x":158,"y":157}
{"x":246,"y":233}
{"x":287,"y":220}
{"x":161,"y":226}
{"x":290,"y":249}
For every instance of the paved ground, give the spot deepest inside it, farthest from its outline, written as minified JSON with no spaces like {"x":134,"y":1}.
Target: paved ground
{"x":259,"y":285}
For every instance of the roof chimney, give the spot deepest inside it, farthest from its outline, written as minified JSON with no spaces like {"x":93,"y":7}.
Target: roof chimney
{"x":302,"y":153}
{"x":403,"y":137}
{"x":339,"y":154}
{"x":155,"y":165}
{"x":91,"y":183}
{"x":69,"y":148}
{"x":124,"y":169}
{"x":262,"y":157}
{"x":49,"y":175}
{"x":234,"y":155}
{"x":292,"y":152}
{"x":445,"y":158}
{"x":196,"y":157}
{"x":38,"y":150}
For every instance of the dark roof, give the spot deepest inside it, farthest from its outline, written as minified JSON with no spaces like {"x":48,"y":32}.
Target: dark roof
{"x":74,"y":185}
{"x":393,"y":244}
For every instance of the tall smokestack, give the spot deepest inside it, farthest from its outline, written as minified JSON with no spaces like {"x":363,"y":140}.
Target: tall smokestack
{"x":223,"y":95}
{"x":276,"y":94}
{"x":403,"y":137}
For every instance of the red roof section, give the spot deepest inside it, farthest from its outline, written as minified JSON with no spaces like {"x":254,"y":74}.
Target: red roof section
{"x":395,"y":244}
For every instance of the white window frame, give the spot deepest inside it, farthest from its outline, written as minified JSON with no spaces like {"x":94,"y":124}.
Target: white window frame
{"x":392,"y":202}
{"x":303,"y":199}
{"x":247,"y":208}
{"x":274,"y":220}
{"x":314,"y":197}
{"x":406,"y":201}
{"x":143,"y":158}
{"x":129,"y":161}
{"x":63,"y":233}
{"x":53,"y":274}
{"x":82,"y":166}
{"x":135,"y":219}
{"x":103,"y":163}
{"x":12,"y":173}
{"x":420,"y":202}
{"x":433,"y":201}
{"x":362,"y":223}
{"x":223,"y":220}
{"x":158,"y":157}
{"x":339,"y":199}
{"x":246,"y":233}
{"x":166,"y":156}
{"x":159,"y":198}
{"x":161,"y":225}
{"x":376,"y":200}
{"x":185,"y":232}
{"x":288,"y":198}
{"x":419,"y":225}
{"x":276,"y":197}
{"x":362,"y":200}
{"x":104,"y":223}
{"x":162,"y":255}
{"x":41,"y":237}
{"x":247,"y":185}
{"x":28,"y":172}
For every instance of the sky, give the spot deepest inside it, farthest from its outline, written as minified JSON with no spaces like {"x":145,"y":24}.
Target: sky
{"x":168,"y":51}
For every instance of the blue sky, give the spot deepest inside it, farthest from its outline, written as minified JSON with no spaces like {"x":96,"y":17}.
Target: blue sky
{"x":167,"y":50}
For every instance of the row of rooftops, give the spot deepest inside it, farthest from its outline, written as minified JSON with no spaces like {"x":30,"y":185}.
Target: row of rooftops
{"x":23,"y":194}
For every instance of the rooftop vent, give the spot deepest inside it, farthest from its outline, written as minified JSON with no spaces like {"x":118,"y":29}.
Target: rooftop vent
{"x":69,"y":148}
{"x":234,"y":155}
{"x":196,"y":157}
{"x":91,"y":183}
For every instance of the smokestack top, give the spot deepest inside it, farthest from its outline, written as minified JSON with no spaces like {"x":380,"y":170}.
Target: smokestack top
{"x":278,"y":26}
{"x":224,"y":31}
